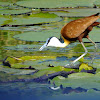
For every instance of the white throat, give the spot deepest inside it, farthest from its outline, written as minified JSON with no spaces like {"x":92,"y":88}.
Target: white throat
{"x":56,"y":43}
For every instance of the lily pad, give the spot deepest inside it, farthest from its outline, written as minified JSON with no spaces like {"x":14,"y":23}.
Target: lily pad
{"x":55,"y":4}
{"x":14,"y":11}
{"x":85,"y":66}
{"x":26,"y":61}
{"x":12,"y":71}
{"x":78,"y":12}
{"x":44,"y":15}
{"x":13,"y":60}
{"x":61,"y":13}
{"x":82,"y":12}
{"x":3,"y":20}
{"x":80,"y":79}
{"x":35,"y":57}
{"x":5,"y":77}
{"x":2,"y":8}
{"x":49,"y":71}
{"x":97,"y":2}
{"x":25,"y":48}
{"x":5,"y":3}
{"x":33,"y":20}
{"x":52,"y":70}
{"x":38,"y":36}
{"x":84,"y":80}
{"x":94,"y":35}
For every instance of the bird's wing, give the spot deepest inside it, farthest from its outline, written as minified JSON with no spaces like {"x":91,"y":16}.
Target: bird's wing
{"x":74,"y":28}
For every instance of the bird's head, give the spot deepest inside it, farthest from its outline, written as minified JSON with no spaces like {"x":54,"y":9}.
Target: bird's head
{"x":54,"y":42}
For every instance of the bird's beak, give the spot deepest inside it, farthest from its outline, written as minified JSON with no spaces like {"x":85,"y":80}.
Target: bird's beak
{"x":44,"y":46}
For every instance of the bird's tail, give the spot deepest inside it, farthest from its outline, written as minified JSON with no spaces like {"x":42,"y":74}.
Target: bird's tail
{"x":95,"y":14}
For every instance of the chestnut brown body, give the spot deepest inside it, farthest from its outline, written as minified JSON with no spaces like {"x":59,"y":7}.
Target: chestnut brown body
{"x":78,"y":29}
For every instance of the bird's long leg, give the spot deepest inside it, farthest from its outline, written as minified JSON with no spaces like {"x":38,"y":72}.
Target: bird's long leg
{"x":80,"y":56}
{"x":93,"y":43}
{"x":95,"y":49}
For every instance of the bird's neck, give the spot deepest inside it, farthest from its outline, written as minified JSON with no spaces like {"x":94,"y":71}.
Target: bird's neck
{"x":62,"y":45}
{"x":66,"y":42}
{"x":57,"y":43}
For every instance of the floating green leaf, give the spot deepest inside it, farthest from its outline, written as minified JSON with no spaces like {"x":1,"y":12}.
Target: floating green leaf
{"x":35,"y":57}
{"x":5,"y":3}
{"x":26,"y":61}
{"x":52,"y":70}
{"x":80,"y":79}
{"x":38,"y":36}
{"x":3,"y":20}
{"x":83,"y":80}
{"x":5,"y":77}
{"x":85,"y":66}
{"x":77,"y":12}
{"x":14,"y":11}
{"x":44,"y":15}
{"x":15,"y":72}
{"x":55,"y":4}
{"x":33,"y":20}
{"x":13,"y":60}
{"x":97,"y":2}
{"x":94,"y":35}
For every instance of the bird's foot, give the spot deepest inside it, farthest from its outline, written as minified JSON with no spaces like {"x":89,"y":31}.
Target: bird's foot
{"x":72,"y":65}
{"x":69,"y":65}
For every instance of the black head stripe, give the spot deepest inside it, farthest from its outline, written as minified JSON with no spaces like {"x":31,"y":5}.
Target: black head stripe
{"x":61,"y":40}
{"x":48,"y":40}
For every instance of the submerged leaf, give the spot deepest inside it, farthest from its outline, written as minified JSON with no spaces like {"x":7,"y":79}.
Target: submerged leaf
{"x":13,"y":60}
{"x":81,"y":60}
{"x":51,"y":70}
{"x":26,"y":61}
{"x":85,"y":66}
{"x":84,"y":80}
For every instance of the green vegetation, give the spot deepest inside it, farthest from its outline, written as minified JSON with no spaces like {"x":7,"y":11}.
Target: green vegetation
{"x":85,"y":66}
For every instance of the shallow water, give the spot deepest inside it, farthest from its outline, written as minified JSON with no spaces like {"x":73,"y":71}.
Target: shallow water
{"x":34,"y":91}
{"x":26,"y":40}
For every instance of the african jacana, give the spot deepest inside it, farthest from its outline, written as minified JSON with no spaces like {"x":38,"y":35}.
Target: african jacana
{"x":75,"y":30}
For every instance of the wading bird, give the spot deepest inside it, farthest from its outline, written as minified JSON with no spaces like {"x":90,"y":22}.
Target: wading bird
{"x":75,"y":30}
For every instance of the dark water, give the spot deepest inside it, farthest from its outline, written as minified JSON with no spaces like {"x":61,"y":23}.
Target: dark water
{"x":35,"y":91}
{"x":26,"y":91}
